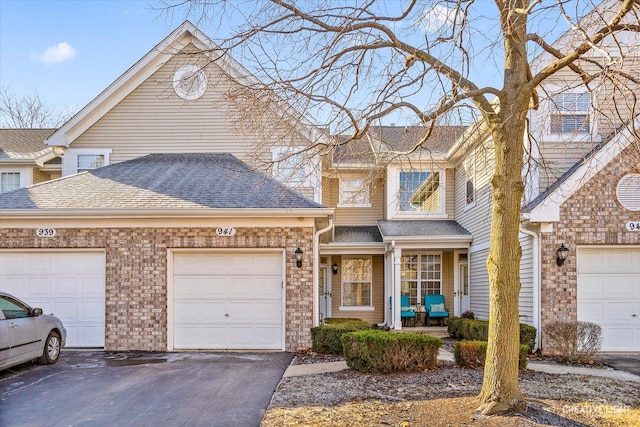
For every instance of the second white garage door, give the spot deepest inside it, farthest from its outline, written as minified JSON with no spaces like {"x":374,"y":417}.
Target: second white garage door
{"x":228,"y":301}
{"x":609,"y":294}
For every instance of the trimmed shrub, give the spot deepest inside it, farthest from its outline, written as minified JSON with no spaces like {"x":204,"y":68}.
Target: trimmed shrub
{"x":326,"y":338}
{"x":384,"y":352}
{"x":574,"y":342}
{"x":472,"y":354}
{"x":343,"y":320}
{"x":478,"y":330}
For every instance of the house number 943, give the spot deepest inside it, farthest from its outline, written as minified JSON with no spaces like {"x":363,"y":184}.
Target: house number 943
{"x":46,"y":232}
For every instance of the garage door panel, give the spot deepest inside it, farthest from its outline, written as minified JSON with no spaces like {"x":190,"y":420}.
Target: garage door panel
{"x":609,"y":294}
{"x":235,"y":298}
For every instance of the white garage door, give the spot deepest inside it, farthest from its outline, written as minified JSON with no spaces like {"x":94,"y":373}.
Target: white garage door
{"x":69,"y":284}
{"x":609,"y":295}
{"x":228,"y":301}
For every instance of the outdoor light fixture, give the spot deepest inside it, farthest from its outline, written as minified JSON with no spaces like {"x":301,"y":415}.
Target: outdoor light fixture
{"x":335,"y":268}
{"x":298,"y":254}
{"x":563,"y":253}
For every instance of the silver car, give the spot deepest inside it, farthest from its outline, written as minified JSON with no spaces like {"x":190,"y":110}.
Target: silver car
{"x":27,"y":334}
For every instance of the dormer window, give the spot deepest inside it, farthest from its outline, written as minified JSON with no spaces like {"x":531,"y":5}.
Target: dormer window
{"x":570,"y":113}
{"x":416,"y":193}
{"x":84,"y":159}
{"x":90,"y":161}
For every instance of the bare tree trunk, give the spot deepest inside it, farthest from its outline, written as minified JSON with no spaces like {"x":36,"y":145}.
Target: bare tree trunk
{"x":500,"y":388}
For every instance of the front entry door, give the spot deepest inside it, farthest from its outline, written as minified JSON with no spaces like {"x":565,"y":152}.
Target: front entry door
{"x":463,"y":292}
{"x":324,"y":293}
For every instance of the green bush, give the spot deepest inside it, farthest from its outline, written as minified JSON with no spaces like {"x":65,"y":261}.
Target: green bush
{"x":472,"y":354}
{"x":384,"y":352}
{"x":343,"y":320}
{"x":326,"y":338}
{"x":478,"y":330}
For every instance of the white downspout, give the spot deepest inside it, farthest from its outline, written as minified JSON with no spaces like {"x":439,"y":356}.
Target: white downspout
{"x":536,"y":284}
{"x":316,"y":272}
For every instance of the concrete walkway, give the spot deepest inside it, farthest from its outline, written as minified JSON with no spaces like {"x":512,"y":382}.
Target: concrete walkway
{"x":443,"y":355}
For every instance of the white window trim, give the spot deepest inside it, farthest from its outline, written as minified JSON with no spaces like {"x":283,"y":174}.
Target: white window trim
{"x":26,"y":175}
{"x":312,"y":170}
{"x":548,"y":109}
{"x":393,"y":188}
{"x":70,"y":158}
{"x":342,"y":281}
{"x":419,"y":280}
{"x":366,"y":188}
{"x":470,"y":163}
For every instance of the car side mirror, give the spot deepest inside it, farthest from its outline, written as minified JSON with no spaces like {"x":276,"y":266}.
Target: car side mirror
{"x":36,"y":312}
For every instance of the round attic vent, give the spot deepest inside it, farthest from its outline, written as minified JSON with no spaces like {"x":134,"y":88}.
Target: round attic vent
{"x":189,"y":82}
{"x":628,"y":191}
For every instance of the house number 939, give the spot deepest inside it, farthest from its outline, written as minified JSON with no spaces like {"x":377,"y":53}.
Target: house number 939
{"x":46,"y":232}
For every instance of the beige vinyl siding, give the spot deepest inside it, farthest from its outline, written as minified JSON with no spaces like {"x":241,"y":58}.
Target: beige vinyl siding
{"x":479,"y":284}
{"x":526,"y":279}
{"x":153,"y":119}
{"x":447,"y":280}
{"x":346,"y":216}
{"x":376,"y":316}
{"x":476,"y":218}
{"x":450,"y":195}
{"x":39,"y":176}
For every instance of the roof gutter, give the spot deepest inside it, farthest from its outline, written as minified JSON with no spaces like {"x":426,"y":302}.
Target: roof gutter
{"x":23,"y":214}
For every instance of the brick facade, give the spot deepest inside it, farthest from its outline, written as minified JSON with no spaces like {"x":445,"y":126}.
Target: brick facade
{"x":136,"y":275}
{"x":591,"y":216}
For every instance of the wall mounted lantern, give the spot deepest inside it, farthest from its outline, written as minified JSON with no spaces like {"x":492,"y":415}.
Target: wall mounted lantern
{"x":335,"y":268}
{"x":563,"y":253}
{"x":298,"y":253}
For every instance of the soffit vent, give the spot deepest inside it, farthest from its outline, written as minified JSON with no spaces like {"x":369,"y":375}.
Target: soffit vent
{"x":628,"y":191}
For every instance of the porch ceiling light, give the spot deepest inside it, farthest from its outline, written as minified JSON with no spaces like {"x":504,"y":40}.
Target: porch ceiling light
{"x":563,"y":253}
{"x":335,"y":268}
{"x":298,"y":253}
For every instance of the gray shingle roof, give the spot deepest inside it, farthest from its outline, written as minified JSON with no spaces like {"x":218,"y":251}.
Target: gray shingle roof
{"x":416,"y":228}
{"x":363,"y":234}
{"x":397,"y":138}
{"x":24,"y":144}
{"x":162,"y":181}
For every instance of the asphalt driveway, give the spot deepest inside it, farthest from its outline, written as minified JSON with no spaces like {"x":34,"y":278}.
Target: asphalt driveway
{"x":142,"y":389}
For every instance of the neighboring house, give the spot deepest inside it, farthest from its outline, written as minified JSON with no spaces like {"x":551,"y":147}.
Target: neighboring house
{"x":160,"y":233}
{"x":25,"y":159}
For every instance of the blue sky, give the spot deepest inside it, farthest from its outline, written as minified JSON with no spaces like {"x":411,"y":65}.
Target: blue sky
{"x":69,"y":51}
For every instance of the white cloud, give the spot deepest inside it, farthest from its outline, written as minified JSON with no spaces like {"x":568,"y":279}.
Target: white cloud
{"x":55,"y":54}
{"x":437,"y":18}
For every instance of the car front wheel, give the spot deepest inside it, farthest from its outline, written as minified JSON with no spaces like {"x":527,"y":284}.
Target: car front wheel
{"x":51,"y":352}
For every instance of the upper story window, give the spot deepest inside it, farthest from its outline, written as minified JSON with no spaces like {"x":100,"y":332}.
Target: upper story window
{"x":419,"y":191}
{"x":354,"y":192}
{"x":470,"y":184}
{"x":90,"y":161}
{"x":289,"y":166}
{"x":570,"y":113}
{"x":83,"y":159}
{"x":416,"y":193}
{"x":9,"y":181}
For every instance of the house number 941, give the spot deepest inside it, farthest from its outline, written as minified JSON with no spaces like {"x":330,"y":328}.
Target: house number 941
{"x":46,"y":232}
{"x":225,"y":231}
{"x":633,"y":225}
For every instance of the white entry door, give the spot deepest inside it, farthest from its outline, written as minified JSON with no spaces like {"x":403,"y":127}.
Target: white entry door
{"x":609,"y":294}
{"x":228,"y":300}
{"x":324,"y":293}
{"x":69,"y":284}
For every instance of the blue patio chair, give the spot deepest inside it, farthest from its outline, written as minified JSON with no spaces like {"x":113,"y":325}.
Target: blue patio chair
{"x":434,"y":304}
{"x":406,"y":314}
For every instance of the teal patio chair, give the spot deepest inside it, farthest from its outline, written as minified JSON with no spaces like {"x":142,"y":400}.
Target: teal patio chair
{"x":434,"y":304}
{"x":406,"y":313}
